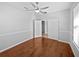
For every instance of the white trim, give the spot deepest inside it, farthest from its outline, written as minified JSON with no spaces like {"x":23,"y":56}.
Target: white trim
{"x":13,"y":45}
{"x":25,"y":41}
{"x":14,"y":33}
{"x":63,"y":41}
{"x":59,"y":40}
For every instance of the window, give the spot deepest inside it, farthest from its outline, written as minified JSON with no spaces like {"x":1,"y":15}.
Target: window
{"x":76,"y":25}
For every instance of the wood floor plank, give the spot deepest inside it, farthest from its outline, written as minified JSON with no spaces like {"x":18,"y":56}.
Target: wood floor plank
{"x":40,"y":47}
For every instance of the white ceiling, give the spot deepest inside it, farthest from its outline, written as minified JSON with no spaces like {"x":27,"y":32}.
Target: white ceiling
{"x":53,"y":6}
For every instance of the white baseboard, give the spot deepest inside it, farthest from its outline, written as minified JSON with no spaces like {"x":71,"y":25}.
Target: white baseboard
{"x":16,"y":39}
{"x":26,"y":39}
{"x":13,"y":45}
{"x":59,"y":40}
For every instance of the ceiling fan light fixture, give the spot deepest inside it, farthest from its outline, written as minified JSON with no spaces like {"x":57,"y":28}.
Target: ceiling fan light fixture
{"x":37,"y":11}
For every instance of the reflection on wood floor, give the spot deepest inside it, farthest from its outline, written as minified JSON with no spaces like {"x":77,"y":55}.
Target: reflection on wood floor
{"x":40,"y":47}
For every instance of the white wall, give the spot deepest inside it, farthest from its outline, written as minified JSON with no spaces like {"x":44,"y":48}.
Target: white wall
{"x":15,"y":25}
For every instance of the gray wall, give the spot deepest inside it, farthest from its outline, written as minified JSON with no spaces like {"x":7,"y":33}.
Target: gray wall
{"x":13,"y":19}
{"x":59,"y":25}
{"x":15,"y":25}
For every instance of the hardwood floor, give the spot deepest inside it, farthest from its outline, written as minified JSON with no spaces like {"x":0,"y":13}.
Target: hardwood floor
{"x":40,"y":47}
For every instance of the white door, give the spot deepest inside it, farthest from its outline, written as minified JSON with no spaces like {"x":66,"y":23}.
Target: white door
{"x":37,"y":28}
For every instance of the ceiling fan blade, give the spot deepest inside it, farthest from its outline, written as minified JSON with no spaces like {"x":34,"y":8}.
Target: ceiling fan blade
{"x":27,"y":9}
{"x":44,"y":8}
{"x":43,"y":12}
{"x":33,"y":5}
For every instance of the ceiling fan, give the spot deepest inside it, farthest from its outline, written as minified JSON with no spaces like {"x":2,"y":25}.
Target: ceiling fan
{"x":37,"y":9}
